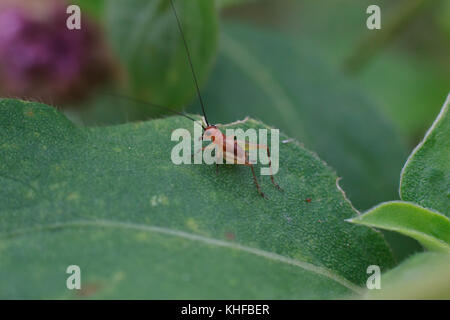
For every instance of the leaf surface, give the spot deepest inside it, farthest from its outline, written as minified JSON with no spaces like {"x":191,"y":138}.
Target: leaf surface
{"x":110,"y":200}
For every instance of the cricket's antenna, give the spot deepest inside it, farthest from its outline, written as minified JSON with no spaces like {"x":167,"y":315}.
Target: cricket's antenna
{"x":190,"y":61}
{"x":119,"y":96}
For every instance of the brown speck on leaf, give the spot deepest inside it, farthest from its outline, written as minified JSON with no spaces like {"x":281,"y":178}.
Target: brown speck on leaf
{"x":308,"y":200}
{"x":88,"y":290}
{"x":229,"y":236}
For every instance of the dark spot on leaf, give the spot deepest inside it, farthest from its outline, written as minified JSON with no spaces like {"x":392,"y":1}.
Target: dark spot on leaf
{"x":88,"y":290}
{"x":229,"y":236}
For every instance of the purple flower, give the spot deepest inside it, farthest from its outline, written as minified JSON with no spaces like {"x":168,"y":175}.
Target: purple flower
{"x":40,"y":58}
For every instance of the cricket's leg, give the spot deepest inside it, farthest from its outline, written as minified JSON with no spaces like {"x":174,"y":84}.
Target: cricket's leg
{"x":270,"y":168}
{"x":219,"y":159}
{"x":262,"y":146}
{"x":202,"y":149}
{"x":256,"y":181}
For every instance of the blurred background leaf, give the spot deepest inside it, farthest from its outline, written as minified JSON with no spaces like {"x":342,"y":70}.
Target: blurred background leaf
{"x":423,"y":276}
{"x":228,"y":3}
{"x":442,"y":17}
{"x":145,"y":36}
{"x":410,"y":74}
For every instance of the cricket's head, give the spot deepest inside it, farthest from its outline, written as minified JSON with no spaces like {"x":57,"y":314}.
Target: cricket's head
{"x":212,"y":133}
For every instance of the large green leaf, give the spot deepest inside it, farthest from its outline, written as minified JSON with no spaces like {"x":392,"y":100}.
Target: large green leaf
{"x":423,"y":276}
{"x":425,"y":178}
{"x":268,"y":76}
{"x":430,"y":228}
{"x":111,"y":201}
{"x":146,"y":38}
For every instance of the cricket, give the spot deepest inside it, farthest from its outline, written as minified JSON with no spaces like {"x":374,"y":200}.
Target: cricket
{"x":227,"y":148}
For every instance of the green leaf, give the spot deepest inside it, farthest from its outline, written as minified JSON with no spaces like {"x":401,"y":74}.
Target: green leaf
{"x":229,"y":3}
{"x":145,"y":36}
{"x":425,"y":178}
{"x":423,"y":276}
{"x":392,"y":80}
{"x":430,"y":228}
{"x":443,"y":17}
{"x":95,"y":8}
{"x":270,"y":77}
{"x":390,"y":75}
{"x":109,"y":200}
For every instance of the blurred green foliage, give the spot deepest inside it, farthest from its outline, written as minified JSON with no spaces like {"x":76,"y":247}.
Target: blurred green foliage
{"x":423,"y":276}
{"x":151,"y":48}
{"x":228,"y":3}
{"x":408,"y":75}
{"x":93,"y":8}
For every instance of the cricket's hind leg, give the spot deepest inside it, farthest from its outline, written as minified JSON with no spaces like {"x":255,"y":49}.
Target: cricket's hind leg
{"x":262,"y":146}
{"x":256,"y":181}
{"x":270,"y":168}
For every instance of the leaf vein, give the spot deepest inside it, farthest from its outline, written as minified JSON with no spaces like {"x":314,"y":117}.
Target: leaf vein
{"x":210,"y":241}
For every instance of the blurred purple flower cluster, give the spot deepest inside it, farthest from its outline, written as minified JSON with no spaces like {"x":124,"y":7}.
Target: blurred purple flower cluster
{"x":41,"y":58}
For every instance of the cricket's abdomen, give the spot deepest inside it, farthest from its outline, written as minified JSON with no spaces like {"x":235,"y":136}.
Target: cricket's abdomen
{"x":233,"y":153}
